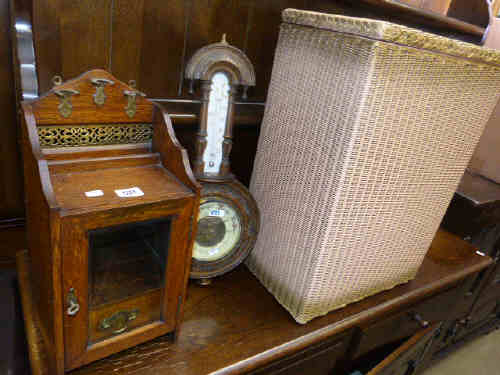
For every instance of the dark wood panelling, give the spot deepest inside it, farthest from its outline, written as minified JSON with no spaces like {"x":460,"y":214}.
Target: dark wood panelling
{"x":151,"y":41}
{"x":243,"y":152}
{"x":263,"y":29}
{"x":126,"y":33}
{"x":472,"y":11}
{"x":413,"y":3}
{"x":85,"y":35}
{"x":71,"y":37}
{"x":163,"y":31}
{"x":420,"y":18}
{"x":334,"y":7}
{"x":438,"y":6}
{"x":11,"y":192}
{"x":46,"y":37}
{"x":13,"y":241}
{"x":13,"y":350}
{"x":209,"y":19}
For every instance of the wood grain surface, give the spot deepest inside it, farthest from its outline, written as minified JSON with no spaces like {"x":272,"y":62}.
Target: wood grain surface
{"x":427,"y":16}
{"x":155,"y":181}
{"x":84,"y":110}
{"x":60,"y":216}
{"x":151,"y":41}
{"x":85,"y":164}
{"x":235,"y":325}
{"x":412,"y":351}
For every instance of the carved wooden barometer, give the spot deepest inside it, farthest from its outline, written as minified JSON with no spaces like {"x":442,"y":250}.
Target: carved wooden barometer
{"x":228,"y":220}
{"x":111,"y":209}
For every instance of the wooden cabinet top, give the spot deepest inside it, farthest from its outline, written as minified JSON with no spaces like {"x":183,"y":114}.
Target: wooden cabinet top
{"x":235,"y":325}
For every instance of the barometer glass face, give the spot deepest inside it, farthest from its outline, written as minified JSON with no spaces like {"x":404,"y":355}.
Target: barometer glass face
{"x":218,"y":105}
{"x":219,"y":230}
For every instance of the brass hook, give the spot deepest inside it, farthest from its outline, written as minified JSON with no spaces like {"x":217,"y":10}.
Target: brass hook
{"x":56,"y":80}
{"x":65,"y":106}
{"x":131,"y":95}
{"x":100,"y":83}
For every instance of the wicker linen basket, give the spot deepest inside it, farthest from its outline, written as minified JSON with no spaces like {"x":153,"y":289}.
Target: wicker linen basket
{"x":367,"y":130}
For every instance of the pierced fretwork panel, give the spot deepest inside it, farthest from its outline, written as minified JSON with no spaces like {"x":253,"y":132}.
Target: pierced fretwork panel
{"x":94,"y":134}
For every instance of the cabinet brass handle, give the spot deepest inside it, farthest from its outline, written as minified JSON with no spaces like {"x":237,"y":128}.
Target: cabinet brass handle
{"x":416,"y":317}
{"x":117,"y":322}
{"x":73,"y":305}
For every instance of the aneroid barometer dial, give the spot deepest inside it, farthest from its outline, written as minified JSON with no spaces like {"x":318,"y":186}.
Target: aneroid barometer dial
{"x":228,"y":223}
{"x":219,"y":230}
{"x":228,"y":220}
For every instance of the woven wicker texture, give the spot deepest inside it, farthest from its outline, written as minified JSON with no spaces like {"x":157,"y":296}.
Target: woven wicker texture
{"x":393,"y":33}
{"x":362,"y":145}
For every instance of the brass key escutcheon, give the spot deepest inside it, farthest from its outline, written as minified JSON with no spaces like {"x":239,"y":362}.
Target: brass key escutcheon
{"x":73,"y":305}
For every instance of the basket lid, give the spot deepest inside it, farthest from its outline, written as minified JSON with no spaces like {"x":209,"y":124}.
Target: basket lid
{"x":392,"y":33}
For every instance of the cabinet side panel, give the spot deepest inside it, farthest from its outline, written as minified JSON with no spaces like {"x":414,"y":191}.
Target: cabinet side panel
{"x":39,"y":245}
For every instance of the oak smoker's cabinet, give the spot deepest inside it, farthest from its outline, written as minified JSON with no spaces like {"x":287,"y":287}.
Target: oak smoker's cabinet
{"x":111,"y":208}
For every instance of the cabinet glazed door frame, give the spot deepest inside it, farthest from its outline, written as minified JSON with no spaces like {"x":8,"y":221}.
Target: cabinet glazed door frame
{"x":75,"y":275}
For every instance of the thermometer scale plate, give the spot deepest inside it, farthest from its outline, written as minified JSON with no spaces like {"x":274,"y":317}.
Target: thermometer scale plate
{"x":218,"y":105}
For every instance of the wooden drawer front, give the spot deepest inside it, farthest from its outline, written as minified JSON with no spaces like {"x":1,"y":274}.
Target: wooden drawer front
{"x":493,"y":287}
{"x":403,"y":324}
{"x":467,"y":294}
{"x":146,"y":308}
{"x":488,"y":293}
{"x":495,"y":283}
{"x":410,"y":357}
{"x":483,"y":311}
{"x":319,"y":359}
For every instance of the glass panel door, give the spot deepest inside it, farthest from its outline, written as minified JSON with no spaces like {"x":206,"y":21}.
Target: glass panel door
{"x":126,"y":275}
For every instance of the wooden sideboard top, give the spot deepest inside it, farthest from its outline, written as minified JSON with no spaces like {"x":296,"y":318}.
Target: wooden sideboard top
{"x":235,"y":325}
{"x":426,"y":17}
{"x":478,"y":189}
